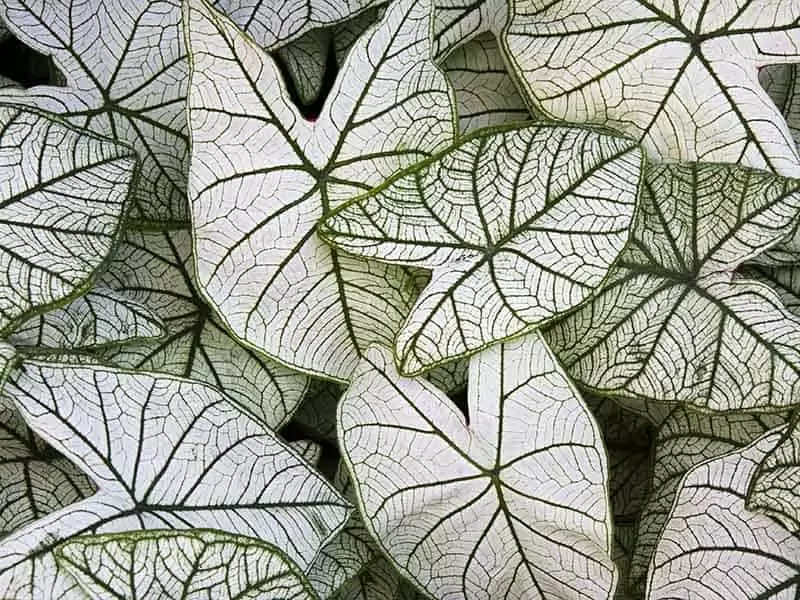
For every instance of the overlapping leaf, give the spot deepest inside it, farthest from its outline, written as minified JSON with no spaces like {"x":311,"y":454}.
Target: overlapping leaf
{"x":63,"y":193}
{"x":165,"y":453}
{"x":682,"y":77}
{"x":673,"y":324}
{"x":485,"y":92}
{"x":191,"y":565}
{"x":126,"y":74}
{"x":155,"y":270}
{"x":273,"y":23}
{"x":713,"y":548}
{"x":458,"y":21}
{"x":262,"y":178}
{"x":782,"y":83}
{"x":305,"y":60}
{"x":99,"y":318}
{"x":379,"y":580}
{"x":686,"y":439}
{"x":513,"y":505}
{"x":517,"y":226}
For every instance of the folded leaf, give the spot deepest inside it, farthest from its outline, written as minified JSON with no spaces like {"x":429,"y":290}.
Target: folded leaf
{"x":100,"y":318}
{"x":458,"y":21}
{"x":518,"y":225}
{"x":63,"y":193}
{"x":782,"y":83}
{"x":379,"y":580}
{"x":686,"y":439}
{"x":681,"y":77}
{"x":513,"y":505}
{"x":713,"y":548}
{"x":125,"y":69}
{"x":192,"y":565}
{"x":155,"y":269}
{"x":262,"y":177}
{"x":164,"y":453}
{"x":673,"y":324}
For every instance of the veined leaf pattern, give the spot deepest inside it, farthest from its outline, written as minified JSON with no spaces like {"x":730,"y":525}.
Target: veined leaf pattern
{"x":458,"y":21}
{"x":696,"y":224}
{"x":513,"y":505}
{"x":517,"y":225}
{"x":682,"y":77}
{"x":164,"y":453}
{"x":63,"y":195}
{"x":257,"y":196}
{"x":155,"y":268}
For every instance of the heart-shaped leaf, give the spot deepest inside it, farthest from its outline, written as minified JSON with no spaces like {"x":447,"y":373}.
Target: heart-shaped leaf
{"x":192,"y":565}
{"x":155,"y":269}
{"x":485,"y":93}
{"x":686,"y":439}
{"x":673,"y":324}
{"x":100,"y":318}
{"x":164,"y":453}
{"x":681,"y":77}
{"x":515,"y":504}
{"x":518,"y":225}
{"x":126,"y":74}
{"x":713,"y":548}
{"x":63,"y":193}
{"x":262,"y":177}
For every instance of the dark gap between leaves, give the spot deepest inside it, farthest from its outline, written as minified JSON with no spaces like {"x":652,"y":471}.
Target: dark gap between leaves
{"x":26,"y":66}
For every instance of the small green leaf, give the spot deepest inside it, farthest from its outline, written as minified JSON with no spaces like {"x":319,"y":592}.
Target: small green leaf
{"x":517,"y":225}
{"x":63,"y":194}
{"x":192,"y":565}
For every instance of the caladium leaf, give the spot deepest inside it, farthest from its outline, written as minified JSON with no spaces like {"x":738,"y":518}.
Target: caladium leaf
{"x":305,"y":59}
{"x":102,"y":317}
{"x":192,"y":565}
{"x":458,"y":21}
{"x":673,"y":324}
{"x":347,"y":33}
{"x":8,"y":360}
{"x":63,"y":193}
{"x":155,"y":269}
{"x":165,"y":453}
{"x":680,"y":77}
{"x":379,"y":580}
{"x":273,"y":23}
{"x":485,"y":92}
{"x":686,"y":439}
{"x":774,"y":488}
{"x":317,"y":412}
{"x":782,"y":83}
{"x":126,"y":74}
{"x":308,"y":449}
{"x":515,"y":504}
{"x":518,"y":225}
{"x":259,"y":260}
{"x":713,"y":548}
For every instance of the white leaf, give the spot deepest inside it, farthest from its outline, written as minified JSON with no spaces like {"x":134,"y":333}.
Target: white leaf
{"x":513,"y":505}
{"x":459,"y":21}
{"x":379,"y":580}
{"x":100,"y":318}
{"x":272,"y":23}
{"x":8,"y":360}
{"x":126,"y":73}
{"x":517,"y":225}
{"x":713,"y":548}
{"x":63,"y":193}
{"x":686,"y":439}
{"x":191,"y":565}
{"x":164,"y":453}
{"x":782,"y":83}
{"x":155,"y":269}
{"x":485,"y":92}
{"x":673,"y":325}
{"x":682,"y":77}
{"x":261,"y":178}
{"x":305,"y":59}
{"x":347,"y":33}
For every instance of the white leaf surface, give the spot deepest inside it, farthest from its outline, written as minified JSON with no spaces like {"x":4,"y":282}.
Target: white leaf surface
{"x":63,"y":193}
{"x":713,"y":548}
{"x":126,"y":73}
{"x":191,"y":565}
{"x":485,"y":92}
{"x":517,"y":225}
{"x":164,"y":453}
{"x":513,"y":505}
{"x":673,"y":324}
{"x":261,"y":179}
{"x":347,"y":33}
{"x":100,"y":318}
{"x":155,"y":270}
{"x":686,"y":439}
{"x":273,"y":23}
{"x":681,"y":77}
{"x":459,"y":21}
